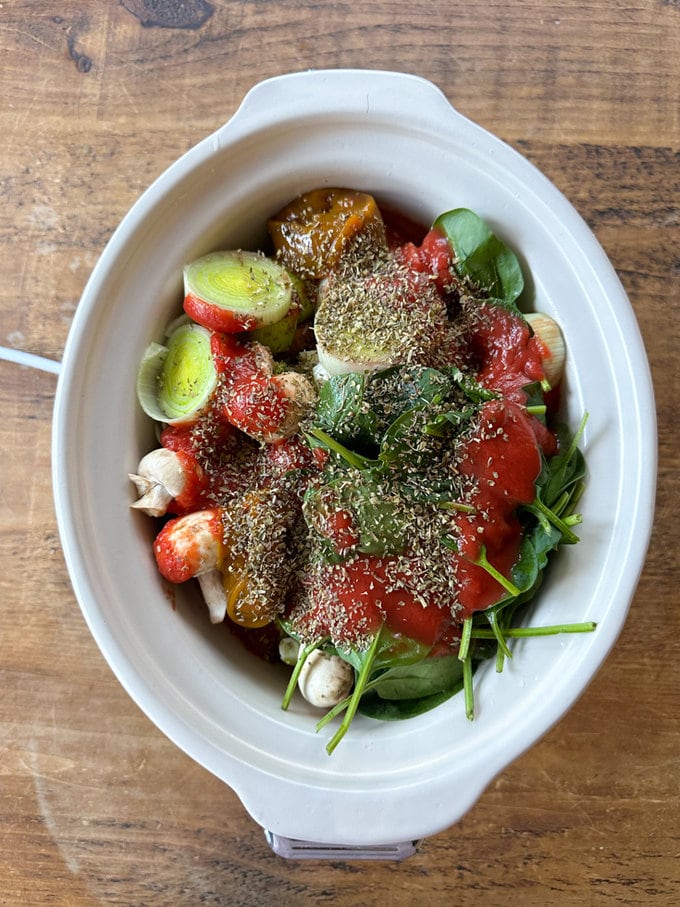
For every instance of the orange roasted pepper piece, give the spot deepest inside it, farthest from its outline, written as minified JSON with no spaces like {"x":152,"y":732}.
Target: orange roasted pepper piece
{"x":314,"y":231}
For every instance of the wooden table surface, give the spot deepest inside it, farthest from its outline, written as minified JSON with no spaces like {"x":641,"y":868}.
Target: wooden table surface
{"x":97,"y":99}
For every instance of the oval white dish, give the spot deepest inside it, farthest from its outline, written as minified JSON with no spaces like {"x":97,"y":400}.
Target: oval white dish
{"x":396,"y":136}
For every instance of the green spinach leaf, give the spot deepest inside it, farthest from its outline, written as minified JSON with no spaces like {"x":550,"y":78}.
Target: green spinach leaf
{"x":340,"y":410}
{"x":481,"y":256}
{"x":433,"y":675}
{"x":374,"y":706}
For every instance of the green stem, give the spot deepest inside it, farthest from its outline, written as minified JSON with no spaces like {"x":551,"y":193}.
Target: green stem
{"x":482,"y":562}
{"x":524,"y":632}
{"x":468,"y":691}
{"x":331,"y":713}
{"x":577,"y":437}
{"x":465,"y":637}
{"x":303,"y":655}
{"x":359,"y":689}
{"x":577,"y":494}
{"x":349,"y":456}
{"x":554,"y":519}
{"x":456,"y":505}
{"x":560,"y":504}
{"x":499,"y":636}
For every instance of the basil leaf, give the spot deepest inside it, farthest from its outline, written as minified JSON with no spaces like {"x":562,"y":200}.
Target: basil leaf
{"x":481,"y":256}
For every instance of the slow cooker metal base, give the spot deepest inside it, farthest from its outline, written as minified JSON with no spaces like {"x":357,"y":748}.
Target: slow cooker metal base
{"x":292,"y":849}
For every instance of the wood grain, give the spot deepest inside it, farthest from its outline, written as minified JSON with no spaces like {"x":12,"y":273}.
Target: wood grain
{"x":98,"y":98}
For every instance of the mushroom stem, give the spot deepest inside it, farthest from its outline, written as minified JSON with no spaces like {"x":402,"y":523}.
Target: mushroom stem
{"x":214,"y":595}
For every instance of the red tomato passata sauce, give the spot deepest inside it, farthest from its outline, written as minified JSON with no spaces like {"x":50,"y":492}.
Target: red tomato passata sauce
{"x":503,"y":459}
{"x":365,"y":595}
{"x":215,"y":459}
{"x":508,"y":358}
{"x":433,"y":257}
{"x":252,"y":398}
{"x":215,"y":318}
{"x":292,"y":453}
{"x":503,"y":463}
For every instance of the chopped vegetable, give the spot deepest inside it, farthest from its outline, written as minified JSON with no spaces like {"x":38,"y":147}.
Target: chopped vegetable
{"x":236,"y":291}
{"x":175,"y":383}
{"x":553,"y":349}
{"x":314,"y":232}
{"x":385,"y":495}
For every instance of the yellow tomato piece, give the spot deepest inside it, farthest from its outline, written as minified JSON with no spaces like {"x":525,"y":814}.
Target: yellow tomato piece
{"x":242,"y":607}
{"x":247,"y":605}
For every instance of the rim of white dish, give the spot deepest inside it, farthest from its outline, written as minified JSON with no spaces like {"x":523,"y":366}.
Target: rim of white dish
{"x":403,"y":804}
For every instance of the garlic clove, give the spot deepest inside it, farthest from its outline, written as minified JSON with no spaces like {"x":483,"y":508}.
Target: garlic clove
{"x":553,"y":347}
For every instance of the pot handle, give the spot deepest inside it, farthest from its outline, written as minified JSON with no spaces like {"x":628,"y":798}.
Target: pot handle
{"x":372,"y":94}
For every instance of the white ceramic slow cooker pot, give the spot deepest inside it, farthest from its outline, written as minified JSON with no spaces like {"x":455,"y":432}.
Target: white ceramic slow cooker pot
{"x":397,"y":137}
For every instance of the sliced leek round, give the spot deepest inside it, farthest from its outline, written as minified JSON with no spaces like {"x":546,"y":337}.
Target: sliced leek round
{"x":553,"y":347}
{"x":354,"y":330}
{"x":278,"y":336}
{"x":176,"y":382}
{"x":352,"y":359}
{"x":236,"y":291}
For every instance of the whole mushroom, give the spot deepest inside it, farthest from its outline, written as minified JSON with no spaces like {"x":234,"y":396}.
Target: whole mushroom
{"x":325,"y":680}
